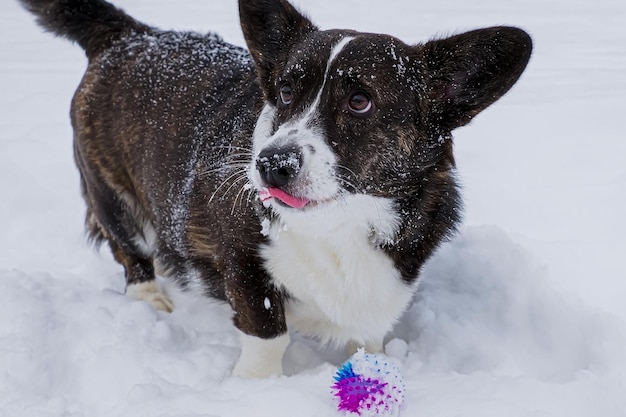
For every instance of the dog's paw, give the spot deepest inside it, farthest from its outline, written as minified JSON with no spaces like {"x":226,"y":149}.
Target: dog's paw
{"x":371,"y":347}
{"x":151,"y":292}
{"x":261,"y":358}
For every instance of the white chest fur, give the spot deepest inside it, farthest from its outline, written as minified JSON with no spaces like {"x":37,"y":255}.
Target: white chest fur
{"x":344,"y":289}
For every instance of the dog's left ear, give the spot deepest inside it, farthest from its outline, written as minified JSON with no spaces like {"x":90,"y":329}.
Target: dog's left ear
{"x":271,"y":29}
{"x":468,"y":72}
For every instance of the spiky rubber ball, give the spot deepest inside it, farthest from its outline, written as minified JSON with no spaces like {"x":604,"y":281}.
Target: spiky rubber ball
{"x":369,"y":385}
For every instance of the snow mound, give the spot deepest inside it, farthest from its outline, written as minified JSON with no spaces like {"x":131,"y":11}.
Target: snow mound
{"x":487,"y":305}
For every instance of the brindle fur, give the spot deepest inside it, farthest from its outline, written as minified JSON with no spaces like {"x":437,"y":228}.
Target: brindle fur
{"x":163,"y":124}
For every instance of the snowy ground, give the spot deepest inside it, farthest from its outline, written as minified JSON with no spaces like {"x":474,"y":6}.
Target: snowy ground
{"x":521,"y":315}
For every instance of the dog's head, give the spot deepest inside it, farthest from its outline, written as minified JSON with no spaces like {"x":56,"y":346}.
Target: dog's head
{"x":360,"y":113}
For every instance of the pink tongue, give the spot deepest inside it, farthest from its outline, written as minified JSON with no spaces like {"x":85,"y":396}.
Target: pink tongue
{"x":290,"y":200}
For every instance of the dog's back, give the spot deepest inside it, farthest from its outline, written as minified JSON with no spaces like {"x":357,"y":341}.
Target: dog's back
{"x":165,"y":108}
{"x":160,"y":122}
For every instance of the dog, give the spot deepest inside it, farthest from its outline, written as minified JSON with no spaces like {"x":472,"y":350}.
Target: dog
{"x":305,"y":180}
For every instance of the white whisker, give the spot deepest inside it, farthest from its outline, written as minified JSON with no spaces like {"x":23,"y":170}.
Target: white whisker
{"x":238,"y":175}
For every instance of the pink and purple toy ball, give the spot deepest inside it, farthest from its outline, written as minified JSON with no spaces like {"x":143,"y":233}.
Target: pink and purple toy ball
{"x":369,"y":385}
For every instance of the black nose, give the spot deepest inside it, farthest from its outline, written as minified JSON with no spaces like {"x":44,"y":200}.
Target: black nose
{"x":278,"y":166}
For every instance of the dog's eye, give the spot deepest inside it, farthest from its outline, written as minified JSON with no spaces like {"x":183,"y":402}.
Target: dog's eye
{"x":285,"y":94}
{"x":359,"y":103}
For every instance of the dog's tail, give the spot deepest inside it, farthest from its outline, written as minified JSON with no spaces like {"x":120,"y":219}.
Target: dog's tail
{"x":93,"y":24}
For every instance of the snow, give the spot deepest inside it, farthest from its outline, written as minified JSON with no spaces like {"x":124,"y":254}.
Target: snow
{"x":521,"y":315}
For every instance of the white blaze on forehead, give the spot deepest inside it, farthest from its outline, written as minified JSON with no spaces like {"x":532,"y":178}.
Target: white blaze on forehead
{"x":336,"y":51}
{"x":331,"y":58}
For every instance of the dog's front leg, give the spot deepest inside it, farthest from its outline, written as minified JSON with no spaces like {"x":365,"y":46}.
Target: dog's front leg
{"x":260,"y":316}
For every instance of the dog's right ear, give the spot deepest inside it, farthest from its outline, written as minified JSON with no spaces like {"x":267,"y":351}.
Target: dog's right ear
{"x":271,"y":29}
